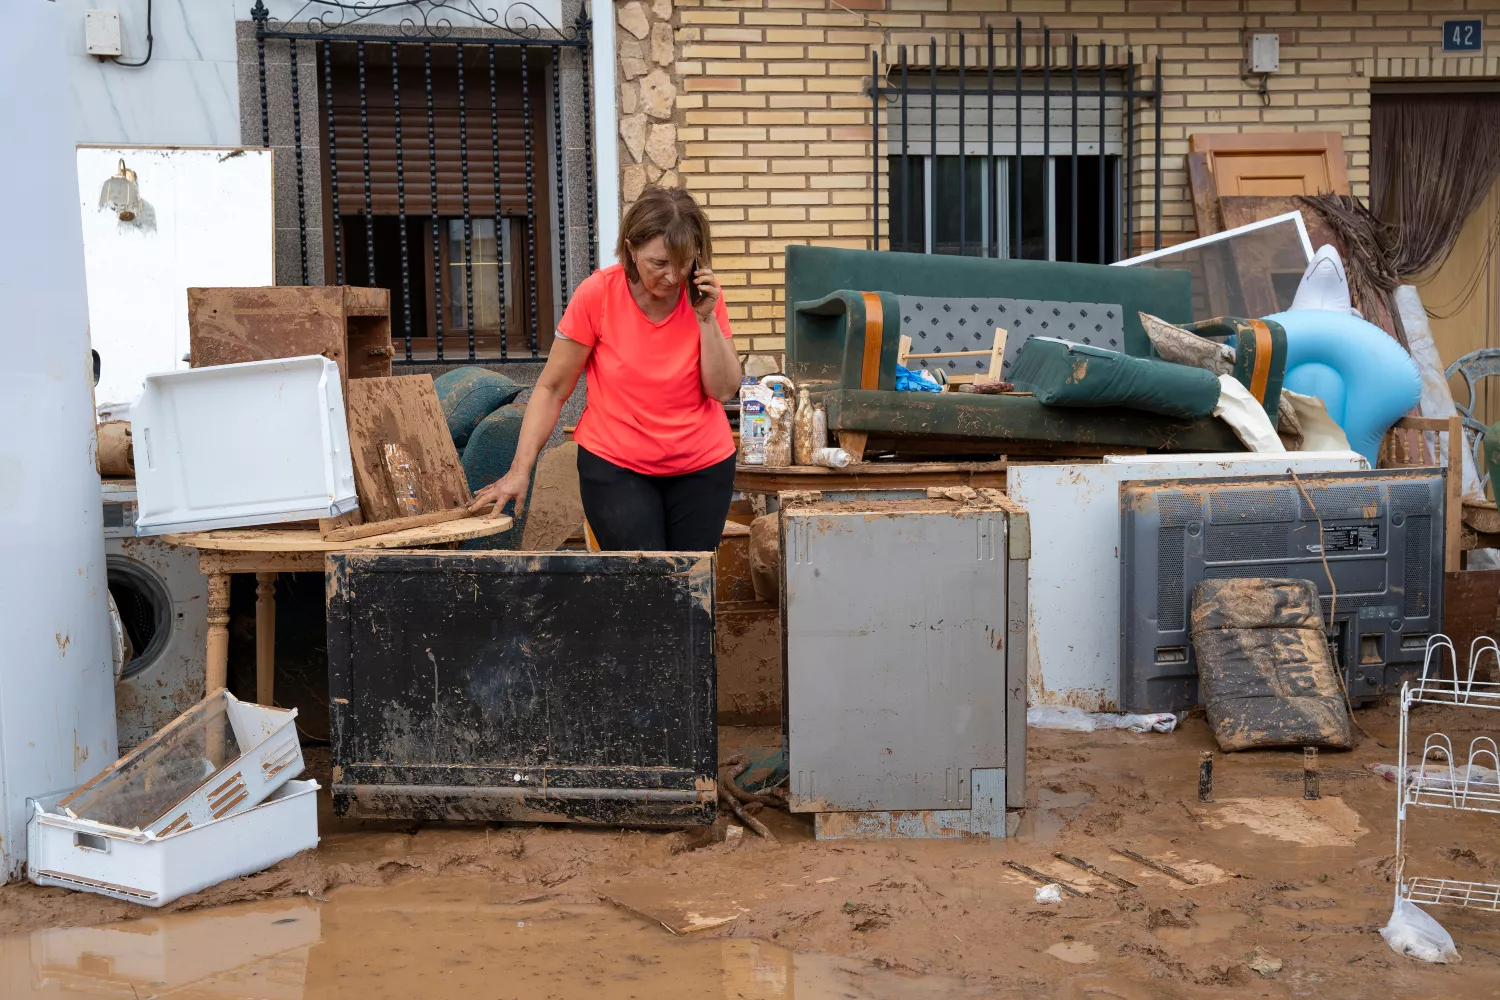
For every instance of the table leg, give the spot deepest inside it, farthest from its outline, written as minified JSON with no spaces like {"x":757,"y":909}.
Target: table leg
{"x":216,"y":675}
{"x":854,"y":443}
{"x":265,"y":638}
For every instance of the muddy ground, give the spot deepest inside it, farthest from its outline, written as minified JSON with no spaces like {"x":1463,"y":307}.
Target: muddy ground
{"x":1290,"y":895}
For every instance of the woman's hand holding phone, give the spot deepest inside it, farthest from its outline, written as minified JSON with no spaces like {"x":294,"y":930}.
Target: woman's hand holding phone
{"x":703,"y":291}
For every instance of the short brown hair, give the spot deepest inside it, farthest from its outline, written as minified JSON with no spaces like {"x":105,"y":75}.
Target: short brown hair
{"x":673,"y":214}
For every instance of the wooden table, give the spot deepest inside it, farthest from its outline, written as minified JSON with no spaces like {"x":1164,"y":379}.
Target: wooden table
{"x":869,"y":476}
{"x":269,"y":551}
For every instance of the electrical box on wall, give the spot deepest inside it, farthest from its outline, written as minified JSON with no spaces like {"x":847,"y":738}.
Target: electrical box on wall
{"x":1265,"y":53}
{"x":101,"y":32}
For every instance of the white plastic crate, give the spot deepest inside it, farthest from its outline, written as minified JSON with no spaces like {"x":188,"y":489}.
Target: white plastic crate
{"x":219,"y":757}
{"x":140,"y":867}
{"x":263,"y":442}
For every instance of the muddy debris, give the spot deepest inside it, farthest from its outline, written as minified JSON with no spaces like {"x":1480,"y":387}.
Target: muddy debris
{"x":949,"y":909}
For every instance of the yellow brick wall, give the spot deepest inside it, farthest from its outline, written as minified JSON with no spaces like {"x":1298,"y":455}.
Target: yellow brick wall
{"x":773,"y":118}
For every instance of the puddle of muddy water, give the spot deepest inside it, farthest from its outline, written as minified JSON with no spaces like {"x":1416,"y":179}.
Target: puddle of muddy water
{"x":1074,"y":952}
{"x":1044,"y":821}
{"x":439,"y":938}
{"x":1206,"y":928}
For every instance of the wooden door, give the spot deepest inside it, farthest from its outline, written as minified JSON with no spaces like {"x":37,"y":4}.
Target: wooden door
{"x":1268,"y":164}
{"x":1462,"y":297}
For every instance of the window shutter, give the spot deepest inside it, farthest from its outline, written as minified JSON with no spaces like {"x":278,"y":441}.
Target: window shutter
{"x":349,"y":152}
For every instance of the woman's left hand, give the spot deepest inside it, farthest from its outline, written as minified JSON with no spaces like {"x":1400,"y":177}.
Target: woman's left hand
{"x":708,"y":287}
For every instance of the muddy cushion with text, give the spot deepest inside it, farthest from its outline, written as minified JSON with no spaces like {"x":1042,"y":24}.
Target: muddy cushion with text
{"x":1264,"y":665}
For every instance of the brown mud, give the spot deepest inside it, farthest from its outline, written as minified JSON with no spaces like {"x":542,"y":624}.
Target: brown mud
{"x":1289,"y":899}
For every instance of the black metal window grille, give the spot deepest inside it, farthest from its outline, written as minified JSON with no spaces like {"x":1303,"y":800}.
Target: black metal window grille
{"x":964,"y":179}
{"x":443,"y":169}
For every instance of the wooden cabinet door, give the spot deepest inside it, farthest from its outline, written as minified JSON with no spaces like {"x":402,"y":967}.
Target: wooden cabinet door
{"x":1269,"y":164}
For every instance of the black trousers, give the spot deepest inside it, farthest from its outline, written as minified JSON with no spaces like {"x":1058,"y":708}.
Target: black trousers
{"x":631,"y":511}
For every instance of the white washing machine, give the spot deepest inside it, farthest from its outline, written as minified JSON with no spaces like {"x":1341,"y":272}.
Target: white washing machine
{"x":163,"y":603}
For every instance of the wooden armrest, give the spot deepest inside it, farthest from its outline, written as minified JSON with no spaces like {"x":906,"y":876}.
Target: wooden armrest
{"x":1426,"y":423}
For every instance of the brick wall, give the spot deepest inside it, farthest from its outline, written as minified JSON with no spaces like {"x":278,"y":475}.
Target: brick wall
{"x":773,"y":122}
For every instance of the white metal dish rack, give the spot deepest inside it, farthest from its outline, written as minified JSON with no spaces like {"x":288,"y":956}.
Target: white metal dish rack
{"x":1437,"y":780}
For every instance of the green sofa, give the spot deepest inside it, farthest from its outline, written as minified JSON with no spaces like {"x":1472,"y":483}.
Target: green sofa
{"x":848,"y":309}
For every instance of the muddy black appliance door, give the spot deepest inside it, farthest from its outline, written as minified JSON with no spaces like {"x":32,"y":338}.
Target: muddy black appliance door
{"x":556,"y":687}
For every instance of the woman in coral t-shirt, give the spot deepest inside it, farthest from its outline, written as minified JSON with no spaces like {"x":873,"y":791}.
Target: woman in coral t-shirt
{"x":655,"y":454}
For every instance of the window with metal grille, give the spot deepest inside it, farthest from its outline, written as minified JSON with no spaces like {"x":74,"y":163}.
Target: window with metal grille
{"x":1040,"y":162}
{"x":441,"y":266}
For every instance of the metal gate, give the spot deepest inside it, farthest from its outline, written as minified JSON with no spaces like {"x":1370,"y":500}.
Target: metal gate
{"x":912,"y":153}
{"x":479,"y":93}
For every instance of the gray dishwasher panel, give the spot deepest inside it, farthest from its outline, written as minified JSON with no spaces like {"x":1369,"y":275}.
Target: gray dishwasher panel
{"x":895,"y":651}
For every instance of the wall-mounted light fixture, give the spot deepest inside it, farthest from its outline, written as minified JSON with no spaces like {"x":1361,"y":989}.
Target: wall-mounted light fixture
{"x":121,"y":194}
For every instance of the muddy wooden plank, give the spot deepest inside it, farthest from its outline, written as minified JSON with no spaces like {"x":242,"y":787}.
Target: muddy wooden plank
{"x":732,"y":567}
{"x":366,"y":530}
{"x":402,"y":413}
{"x":1205,"y":195}
{"x":1471,"y":608}
{"x":748,"y":642}
{"x":870,"y":475}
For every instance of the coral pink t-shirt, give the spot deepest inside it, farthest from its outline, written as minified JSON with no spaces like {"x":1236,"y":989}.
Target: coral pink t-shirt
{"x":646,"y":409}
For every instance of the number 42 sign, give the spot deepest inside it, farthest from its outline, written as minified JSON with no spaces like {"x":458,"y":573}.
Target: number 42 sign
{"x":1463,"y":36}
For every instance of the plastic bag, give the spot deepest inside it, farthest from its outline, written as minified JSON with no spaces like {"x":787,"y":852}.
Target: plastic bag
{"x":1438,"y":777}
{"x":1414,"y":933}
{"x":1076,"y":719}
{"x":915,"y":381}
{"x":1246,"y":417}
{"x":1050,"y":893}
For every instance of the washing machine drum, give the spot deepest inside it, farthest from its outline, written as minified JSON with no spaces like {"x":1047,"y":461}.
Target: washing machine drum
{"x":145,"y":611}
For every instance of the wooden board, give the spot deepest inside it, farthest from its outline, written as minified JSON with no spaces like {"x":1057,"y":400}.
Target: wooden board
{"x":732,"y":566}
{"x":1471,"y":602}
{"x":350,"y":532}
{"x":1205,"y":195}
{"x":1274,"y":163}
{"x":1483,"y":518}
{"x":402,"y":411}
{"x":870,"y":475}
{"x":291,"y":540}
{"x":748,"y":641}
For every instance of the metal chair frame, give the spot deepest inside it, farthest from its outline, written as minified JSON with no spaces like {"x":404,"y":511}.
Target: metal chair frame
{"x":1475,"y":367}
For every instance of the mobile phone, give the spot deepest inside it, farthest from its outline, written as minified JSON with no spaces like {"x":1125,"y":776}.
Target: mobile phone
{"x":695,"y":294}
